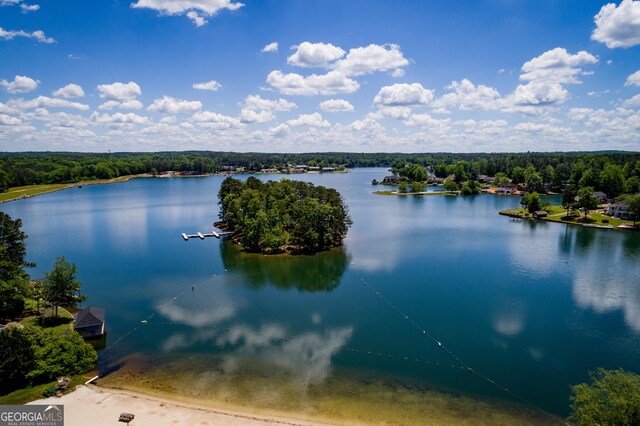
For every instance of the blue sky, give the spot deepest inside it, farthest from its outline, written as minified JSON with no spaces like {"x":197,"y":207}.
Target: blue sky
{"x":311,"y":75}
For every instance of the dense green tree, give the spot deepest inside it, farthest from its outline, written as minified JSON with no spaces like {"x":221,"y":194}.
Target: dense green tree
{"x":633,"y":202}
{"x":534,"y":182}
{"x":5,"y":180}
{"x":517,"y":174}
{"x":60,"y":352}
{"x":440,"y":170}
{"x":451,"y":185}
{"x":586,"y":200}
{"x":589,"y":178}
{"x":403,"y":186}
{"x":531,"y":201}
{"x":414,"y":172}
{"x":17,"y":357}
{"x":61,"y":286}
{"x":417,"y":187}
{"x":548,"y":174}
{"x":632,"y":185}
{"x":13,"y":278}
{"x":612,"y":398}
{"x":470,"y":187}
{"x":612,"y":180}
{"x":569,"y":195}
{"x":561,"y":176}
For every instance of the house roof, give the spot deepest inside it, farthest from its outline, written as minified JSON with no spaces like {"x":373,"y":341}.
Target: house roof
{"x":619,"y":204}
{"x":89,"y":317}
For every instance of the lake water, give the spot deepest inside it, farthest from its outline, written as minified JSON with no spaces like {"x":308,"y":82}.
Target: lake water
{"x":350,"y":335}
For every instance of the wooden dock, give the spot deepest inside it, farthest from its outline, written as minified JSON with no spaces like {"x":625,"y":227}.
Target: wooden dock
{"x":202,"y":236}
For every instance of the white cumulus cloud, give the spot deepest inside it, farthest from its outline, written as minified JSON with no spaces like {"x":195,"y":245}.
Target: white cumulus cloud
{"x":403,"y":95}
{"x":311,"y":55}
{"x":215,"y":121}
{"x":633,"y":79}
{"x":131,"y":104}
{"x":557,"y":65}
{"x":270,"y":48}
{"x":618,"y":26}
{"x":332,"y":83}
{"x":467,"y":96}
{"x":196,"y":10}
{"x":7,"y":120}
{"x":29,"y":7}
{"x":372,"y":58}
{"x":310,"y":120}
{"x":39,"y":35}
{"x":256,"y":102}
{"x":119,"y":91}
{"x":539,"y":94}
{"x":69,"y":91}
{"x":119,"y":118}
{"x":209,"y":85}
{"x":20,"y":84}
{"x":169,"y":105}
{"x":45,"y":102}
{"x":336,"y":105}
{"x":260,"y":110}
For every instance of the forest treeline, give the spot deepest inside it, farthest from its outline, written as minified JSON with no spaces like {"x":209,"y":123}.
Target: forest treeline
{"x":17,"y":169}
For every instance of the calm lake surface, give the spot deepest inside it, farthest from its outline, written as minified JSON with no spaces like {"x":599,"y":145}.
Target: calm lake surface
{"x":531,"y":306}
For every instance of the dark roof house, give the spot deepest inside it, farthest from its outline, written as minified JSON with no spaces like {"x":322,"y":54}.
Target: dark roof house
{"x":90,"y":322}
{"x":601,"y":196}
{"x":392,"y":179}
{"x":539,"y":214}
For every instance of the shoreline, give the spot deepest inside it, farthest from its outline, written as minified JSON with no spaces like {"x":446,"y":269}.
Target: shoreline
{"x":64,"y":186}
{"x":623,"y":227}
{"x":103,"y":405}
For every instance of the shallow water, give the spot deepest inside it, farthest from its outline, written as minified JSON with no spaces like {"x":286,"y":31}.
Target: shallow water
{"x":531,"y":306}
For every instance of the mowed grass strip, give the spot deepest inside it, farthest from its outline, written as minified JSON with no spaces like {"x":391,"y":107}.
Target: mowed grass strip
{"x":18,"y":192}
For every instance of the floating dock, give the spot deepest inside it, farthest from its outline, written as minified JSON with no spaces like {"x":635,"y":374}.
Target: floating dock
{"x":202,"y":236}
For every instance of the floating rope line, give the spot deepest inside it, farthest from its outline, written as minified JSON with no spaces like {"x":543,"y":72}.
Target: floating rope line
{"x":441,"y":345}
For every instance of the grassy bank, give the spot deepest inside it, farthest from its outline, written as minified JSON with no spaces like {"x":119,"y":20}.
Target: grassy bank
{"x":19,"y":192}
{"x":22,"y":396}
{"x":558,"y":214}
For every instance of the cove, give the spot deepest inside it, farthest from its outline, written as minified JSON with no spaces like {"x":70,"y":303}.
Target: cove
{"x":531,"y":305}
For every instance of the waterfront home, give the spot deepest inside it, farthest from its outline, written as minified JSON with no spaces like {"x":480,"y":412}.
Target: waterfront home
{"x":435,"y":180}
{"x":90,"y":322}
{"x":269,"y":171}
{"x":486,"y":179}
{"x":601,"y":197}
{"x":620,"y":210}
{"x":392,"y":179}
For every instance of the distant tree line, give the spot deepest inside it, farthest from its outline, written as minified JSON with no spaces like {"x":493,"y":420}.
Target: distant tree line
{"x":276,"y":216}
{"x":17,"y":169}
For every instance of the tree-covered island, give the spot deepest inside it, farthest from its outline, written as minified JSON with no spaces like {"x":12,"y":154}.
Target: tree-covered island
{"x":285,"y":215}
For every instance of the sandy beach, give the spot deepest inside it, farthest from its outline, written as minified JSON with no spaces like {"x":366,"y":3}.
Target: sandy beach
{"x":97,"y":406}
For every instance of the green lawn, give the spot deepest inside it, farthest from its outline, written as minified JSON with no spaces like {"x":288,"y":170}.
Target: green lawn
{"x":30,"y":190}
{"x":22,"y":396}
{"x":559,"y":214}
